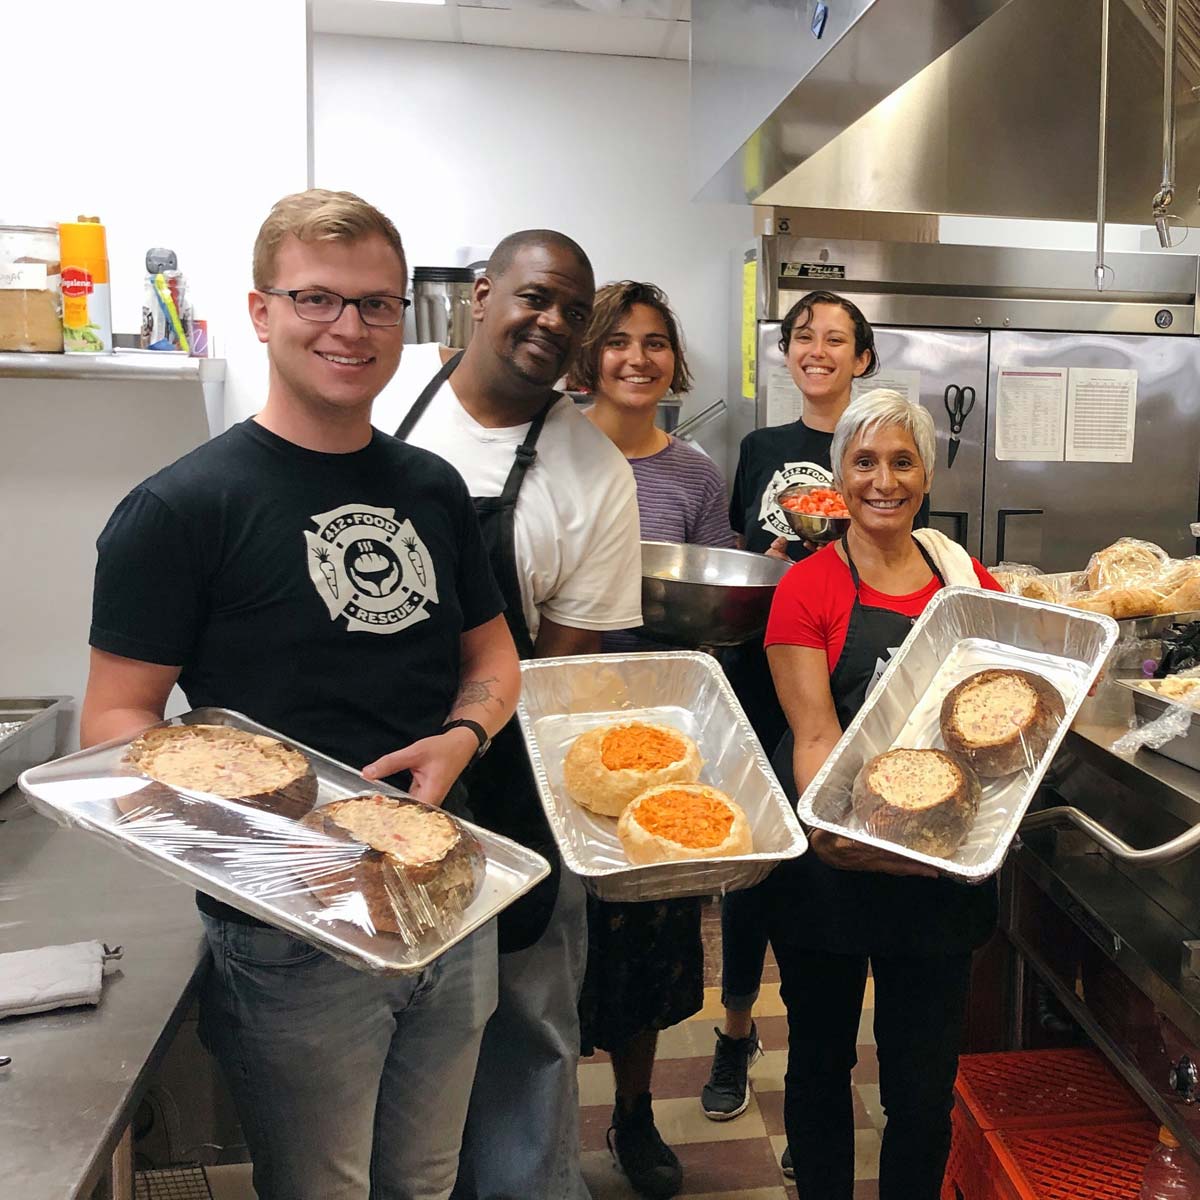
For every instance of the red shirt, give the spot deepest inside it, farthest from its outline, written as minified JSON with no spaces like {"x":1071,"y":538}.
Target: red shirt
{"x":813,"y":601}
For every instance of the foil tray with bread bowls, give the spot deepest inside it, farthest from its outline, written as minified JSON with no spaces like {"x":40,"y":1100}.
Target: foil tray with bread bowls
{"x":943,"y":759}
{"x":288,"y":835}
{"x":652,"y":779}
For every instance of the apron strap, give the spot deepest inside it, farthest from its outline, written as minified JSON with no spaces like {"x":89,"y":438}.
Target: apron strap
{"x":526,"y":455}
{"x":423,"y":401}
{"x":854,"y":570}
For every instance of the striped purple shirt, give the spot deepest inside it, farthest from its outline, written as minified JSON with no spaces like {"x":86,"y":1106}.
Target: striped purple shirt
{"x":681,"y":498}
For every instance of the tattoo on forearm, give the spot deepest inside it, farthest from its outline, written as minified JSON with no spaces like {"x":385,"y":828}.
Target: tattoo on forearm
{"x":477,"y":691}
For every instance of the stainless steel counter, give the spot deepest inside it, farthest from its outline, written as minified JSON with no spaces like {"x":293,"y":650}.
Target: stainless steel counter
{"x":77,"y":1074}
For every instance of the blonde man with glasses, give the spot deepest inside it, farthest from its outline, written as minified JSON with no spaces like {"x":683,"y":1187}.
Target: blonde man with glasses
{"x":264,"y":572}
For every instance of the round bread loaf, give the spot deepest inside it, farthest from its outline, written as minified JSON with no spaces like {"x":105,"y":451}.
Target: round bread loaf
{"x":1127,"y":562}
{"x":1001,"y":720}
{"x":415,"y":868}
{"x":218,"y":760}
{"x":607,"y":767}
{"x":926,"y":800}
{"x":675,"y":821}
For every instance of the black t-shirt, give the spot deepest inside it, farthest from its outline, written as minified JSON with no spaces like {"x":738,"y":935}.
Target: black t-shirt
{"x":323,"y":595}
{"x":774,"y":458}
{"x":769,"y":460}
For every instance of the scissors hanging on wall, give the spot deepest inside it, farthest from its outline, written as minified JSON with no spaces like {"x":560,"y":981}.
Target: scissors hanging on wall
{"x":959,"y":402}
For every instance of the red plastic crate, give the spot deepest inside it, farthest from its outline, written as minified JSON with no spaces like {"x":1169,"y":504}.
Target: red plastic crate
{"x":1026,"y":1089}
{"x":1089,"y":1162}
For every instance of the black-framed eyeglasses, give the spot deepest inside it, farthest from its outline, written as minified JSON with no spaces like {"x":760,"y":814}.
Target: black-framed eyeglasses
{"x":317,"y":304}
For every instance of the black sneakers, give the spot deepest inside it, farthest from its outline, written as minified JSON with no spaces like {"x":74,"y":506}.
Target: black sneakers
{"x":785,"y":1164}
{"x":725,"y":1095}
{"x":649,"y":1163}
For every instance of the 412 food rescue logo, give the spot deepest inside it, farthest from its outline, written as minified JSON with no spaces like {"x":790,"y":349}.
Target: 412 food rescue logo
{"x":770,"y":516}
{"x":370,"y":568}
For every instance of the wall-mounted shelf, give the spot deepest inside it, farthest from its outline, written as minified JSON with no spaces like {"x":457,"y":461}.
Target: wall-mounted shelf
{"x":144,"y":365}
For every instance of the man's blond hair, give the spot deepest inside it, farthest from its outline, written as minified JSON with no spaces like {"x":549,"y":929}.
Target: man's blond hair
{"x":319,"y":215}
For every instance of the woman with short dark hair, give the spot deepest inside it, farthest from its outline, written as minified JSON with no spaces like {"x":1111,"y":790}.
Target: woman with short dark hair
{"x":645,"y":968}
{"x":827,"y":344}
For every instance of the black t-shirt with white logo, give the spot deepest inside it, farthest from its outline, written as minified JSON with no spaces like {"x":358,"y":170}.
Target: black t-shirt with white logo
{"x":323,"y":595}
{"x":774,"y":458}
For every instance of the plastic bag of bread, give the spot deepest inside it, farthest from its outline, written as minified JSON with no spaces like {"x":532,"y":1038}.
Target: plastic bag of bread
{"x":1021,"y":579}
{"x":1128,"y":562}
{"x":1179,"y":583}
{"x":1124,"y":602}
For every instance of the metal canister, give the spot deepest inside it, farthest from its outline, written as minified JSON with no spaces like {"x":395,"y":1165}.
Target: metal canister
{"x":442,"y":305}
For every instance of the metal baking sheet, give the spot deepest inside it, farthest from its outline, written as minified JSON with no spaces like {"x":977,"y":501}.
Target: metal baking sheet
{"x":1149,"y":706}
{"x":82,"y":790}
{"x":962,"y":630}
{"x":564,"y":697}
{"x":28,"y":732}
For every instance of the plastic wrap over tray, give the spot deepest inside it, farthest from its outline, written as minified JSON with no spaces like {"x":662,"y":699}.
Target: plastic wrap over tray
{"x":1167,"y":724}
{"x":962,"y":631}
{"x":564,"y":697}
{"x":304,"y":872}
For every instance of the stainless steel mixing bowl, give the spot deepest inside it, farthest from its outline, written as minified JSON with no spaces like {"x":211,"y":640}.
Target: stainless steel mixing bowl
{"x":700,"y":596}
{"x":815,"y":529}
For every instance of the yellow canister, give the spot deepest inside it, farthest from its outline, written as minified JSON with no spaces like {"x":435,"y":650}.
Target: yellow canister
{"x":87,"y":309}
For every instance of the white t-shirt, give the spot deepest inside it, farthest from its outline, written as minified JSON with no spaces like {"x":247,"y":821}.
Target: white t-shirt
{"x":578,"y":543}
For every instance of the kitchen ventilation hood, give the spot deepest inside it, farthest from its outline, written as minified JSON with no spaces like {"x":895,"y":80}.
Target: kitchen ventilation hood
{"x":972,"y":107}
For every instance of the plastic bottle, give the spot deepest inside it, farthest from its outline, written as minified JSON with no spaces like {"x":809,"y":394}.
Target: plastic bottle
{"x":87,"y":310}
{"x":1172,"y":1173}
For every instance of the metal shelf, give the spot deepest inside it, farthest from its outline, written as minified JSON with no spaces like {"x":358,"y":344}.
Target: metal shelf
{"x":146,"y":365}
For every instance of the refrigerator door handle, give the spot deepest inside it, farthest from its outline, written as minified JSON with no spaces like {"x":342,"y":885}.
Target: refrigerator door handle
{"x":961,"y":523}
{"x":1001,"y":520}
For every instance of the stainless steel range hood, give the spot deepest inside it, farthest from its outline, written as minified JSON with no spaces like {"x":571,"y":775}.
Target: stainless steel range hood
{"x":973,"y":107}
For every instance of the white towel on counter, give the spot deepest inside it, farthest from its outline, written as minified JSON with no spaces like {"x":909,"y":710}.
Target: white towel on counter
{"x":34,"y":981}
{"x":950,"y":558}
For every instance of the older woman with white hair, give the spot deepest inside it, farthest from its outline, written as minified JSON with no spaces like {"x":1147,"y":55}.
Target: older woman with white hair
{"x":837,"y":618}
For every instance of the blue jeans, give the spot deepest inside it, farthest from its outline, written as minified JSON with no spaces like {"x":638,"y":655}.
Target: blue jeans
{"x":522,"y":1136}
{"x":348,"y":1085}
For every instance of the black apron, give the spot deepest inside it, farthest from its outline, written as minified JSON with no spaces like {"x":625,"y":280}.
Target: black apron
{"x":866,"y":912}
{"x":500,"y":787}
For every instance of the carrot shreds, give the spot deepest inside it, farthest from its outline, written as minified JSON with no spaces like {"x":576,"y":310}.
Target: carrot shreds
{"x":686,"y":818}
{"x":640,"y":747}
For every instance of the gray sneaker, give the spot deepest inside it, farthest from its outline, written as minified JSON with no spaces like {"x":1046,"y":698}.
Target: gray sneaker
{"x":726,"y":1094}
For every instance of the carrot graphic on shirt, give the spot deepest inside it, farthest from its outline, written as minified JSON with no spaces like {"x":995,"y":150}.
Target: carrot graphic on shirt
{"x":414,"y":557}
{"x":327,"y":570}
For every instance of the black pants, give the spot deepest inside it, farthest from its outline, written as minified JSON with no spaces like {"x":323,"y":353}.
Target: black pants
{"x":920,"y":1005}
{"x":745,"y":919}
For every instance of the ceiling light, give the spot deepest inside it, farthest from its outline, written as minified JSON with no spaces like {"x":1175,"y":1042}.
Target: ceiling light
{"x":415,"y":1}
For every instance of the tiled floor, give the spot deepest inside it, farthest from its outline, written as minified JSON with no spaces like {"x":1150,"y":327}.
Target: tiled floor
{"x":730,"y":1160}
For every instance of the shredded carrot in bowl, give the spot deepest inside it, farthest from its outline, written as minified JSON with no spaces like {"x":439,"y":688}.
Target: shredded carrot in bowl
{"x":640,"y":747}
{"x":686,"y":818}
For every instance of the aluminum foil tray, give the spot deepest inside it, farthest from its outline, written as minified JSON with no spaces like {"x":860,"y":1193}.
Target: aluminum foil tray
{"x":564,"y":697}
{"x":963,"y":630}
{"x":1148,"y":706}
{"x":252,"y":862}
{"x":28,"y":732}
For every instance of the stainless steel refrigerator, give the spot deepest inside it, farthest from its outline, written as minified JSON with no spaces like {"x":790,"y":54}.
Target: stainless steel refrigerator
{"x":959,"y":316}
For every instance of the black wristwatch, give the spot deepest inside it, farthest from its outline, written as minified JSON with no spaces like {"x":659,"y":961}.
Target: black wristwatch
{"x":477,"y":729}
